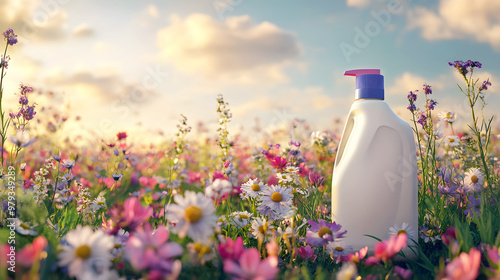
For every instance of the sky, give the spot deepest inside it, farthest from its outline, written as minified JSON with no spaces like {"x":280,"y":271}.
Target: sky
{"x":135,"y":66}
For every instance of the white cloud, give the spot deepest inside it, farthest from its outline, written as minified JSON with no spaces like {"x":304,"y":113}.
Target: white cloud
{"x":152,"y":11}
{"x":237,"y":50}
{"x":459,"y":19}
{"x":98,"y":87}
{"x":147,"y":16}
{"x":358,"y":3}
{"x":409,"y":82}
{"x":34,"y":21}
{"x":83,"y":31}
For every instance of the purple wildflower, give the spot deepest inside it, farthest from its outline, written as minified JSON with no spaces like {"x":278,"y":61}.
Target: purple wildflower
{"x":322,"y":232}
{"x":427,"y":89}
{"x":10,"y":37}
{"x":412,"y":96}
{"x":473,"y":206}
{"x":68,"y":164}
{"x":30,"y":113}
{"x":412,"y":107}
{"x":430,"y":104}
{"x":5,"y":62}
{"x":485,"y":85}
{"x":472,"y":64}
{"x":422,"y":119}
{"x":465,"y":67}
{"x":448,"y":189}
{"x":295,"y":143}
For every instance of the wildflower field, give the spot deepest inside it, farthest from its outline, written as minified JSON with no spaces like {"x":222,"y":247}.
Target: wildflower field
{"x":223,"y":207}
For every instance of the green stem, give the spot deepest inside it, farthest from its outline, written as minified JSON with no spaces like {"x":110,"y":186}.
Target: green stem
{"x":472,"y":100}
{"x":3,"y":132}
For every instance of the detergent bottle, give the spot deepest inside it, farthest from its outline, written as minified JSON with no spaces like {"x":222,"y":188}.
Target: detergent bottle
{"x":374,"y":185}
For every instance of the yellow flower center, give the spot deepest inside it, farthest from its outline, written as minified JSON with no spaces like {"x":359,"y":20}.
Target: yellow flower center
{"x":255,"y":187}
{"x":150,"y":246}
{"x":324,"y":230}
{"x":451,"y":140}
{"x":118,"y":246}
{"x":401,"y":231}
{"x":201,"y":249}
{"x":339,"y":249}
{"x":243,"y":216}
{"x":25,"y":226}
{"x":100,"y":203}
{"x":83,"y":252}
{"x":448,"y":115}
{"x":193,"y":214}
{"x":276,"y":197}
{"x":474,"y":179}
{"x":263,"y":229}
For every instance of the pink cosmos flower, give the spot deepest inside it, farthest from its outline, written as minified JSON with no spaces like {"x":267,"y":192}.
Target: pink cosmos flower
{"x":494,"y":254}
{"x":121,"y":135}
{"x":494,"y":261}
{"x":194,"y":177}
{"x":150,"y":250}
{"x":465,"y":266}
{"x":147,"y":182}
{"x":388,"y":248}
{"x":251,"y":266}
{"x":108,"y":182}
{"x":304,"y":170}
{"x":131,"y":214}
{"x":32,"y":252}
{"x":307,"y":252}
{"x":358,"y":256}
{"x":278,"y":162}
{"x":316,"y":179}
{"x":449,"y":236}
{"x":231,"y":249}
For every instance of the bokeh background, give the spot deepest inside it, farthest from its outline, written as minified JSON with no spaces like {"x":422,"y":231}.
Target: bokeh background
{"x":135,"y":66}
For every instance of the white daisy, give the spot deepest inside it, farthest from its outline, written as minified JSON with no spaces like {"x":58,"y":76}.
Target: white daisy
{"x":337,"y":250}
{"x":474,"y":179}
{"x":281,"y":214}
{"x":218,"y":188}
{"x":291,"y":169}
{"x":452,"y":141}
{"x":194,"y":215}
{"x":290,"y":233}
{"x":25,"y":228}
{"x":447,"y":116}
{"x":277,"y":198}
{"x":86,"y":251}
{"x":404,"y":228}
{"x":119,"y":243}
{"x":262,"y":228}
{"x":99,"y":202}
{"x":252,"y":188}
{"x":284,"y":178}
{"x":200,"y":253}
{"x":348,"y":271}
{"x":240,"y":219}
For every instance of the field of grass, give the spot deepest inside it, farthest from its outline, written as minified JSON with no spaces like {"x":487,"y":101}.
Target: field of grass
{"x":226,"y":208}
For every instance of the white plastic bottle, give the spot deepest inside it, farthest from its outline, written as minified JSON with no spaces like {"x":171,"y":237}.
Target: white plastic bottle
{"x":374,"y":184}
